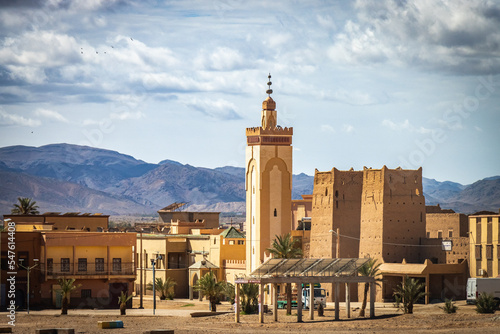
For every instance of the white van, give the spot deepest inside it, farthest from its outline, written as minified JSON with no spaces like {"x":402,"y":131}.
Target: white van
{"x":476,"y":286}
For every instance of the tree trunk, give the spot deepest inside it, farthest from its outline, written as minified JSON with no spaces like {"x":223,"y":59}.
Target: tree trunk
{"x":288,"y":299}
{"x":213,"y":305}
{"x":410,"y":308}
{"x":123,"y":309}
{"x":365,"y":296}
{"x":64,"y":305}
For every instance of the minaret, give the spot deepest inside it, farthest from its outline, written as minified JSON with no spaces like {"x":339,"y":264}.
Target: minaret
{"x":268,"y":183}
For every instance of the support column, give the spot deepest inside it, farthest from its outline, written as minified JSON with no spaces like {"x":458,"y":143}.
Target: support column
{"x":373,"y":295}
{"x":275,"y":301}
{"x":337,"y":299}
{"x":261,"y":303}
{"x":237,"y":308}
{"x":427,"y":285}
{"x":311,"y":301}
{"x":299,"y":302}
{"x":348,"y":300}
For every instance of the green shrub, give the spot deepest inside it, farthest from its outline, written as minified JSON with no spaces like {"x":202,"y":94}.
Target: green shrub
{"x":449,"y":306}
{"x":485,"y":303}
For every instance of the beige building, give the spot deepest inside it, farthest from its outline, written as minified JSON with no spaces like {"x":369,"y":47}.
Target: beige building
{"x":268,"y":183}
{"x":445,"y":223}
{"x":222,"y":251}
{"x":55,"y":221}
{"x":484,"y":245}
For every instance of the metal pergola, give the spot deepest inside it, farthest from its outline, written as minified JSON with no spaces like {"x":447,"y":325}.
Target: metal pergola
{"x":277,"y":271}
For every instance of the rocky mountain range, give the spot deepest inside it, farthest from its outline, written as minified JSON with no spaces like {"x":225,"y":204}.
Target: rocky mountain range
{"x":71,"y":178}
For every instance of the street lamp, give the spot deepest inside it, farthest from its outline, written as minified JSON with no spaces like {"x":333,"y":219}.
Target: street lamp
{"x":29,"y":270}
{"x":153,"y":263}
{"x":337,"y":233}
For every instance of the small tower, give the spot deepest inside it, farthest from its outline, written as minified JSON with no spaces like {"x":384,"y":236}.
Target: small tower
{"x":268,"y":183}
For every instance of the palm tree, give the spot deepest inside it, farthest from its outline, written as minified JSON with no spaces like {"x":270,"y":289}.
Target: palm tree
{"x":25,"y":207}
{"x":409,"y":292}
{"x":165,"y":288}
{"x":67,"y":286}
{"x":249,"y":297}
{"x":369,"y":269}
{"x":210,"y":288}
{"x":229,"y":292}
{"x":122,"y":301}
{"x":284,"y":247}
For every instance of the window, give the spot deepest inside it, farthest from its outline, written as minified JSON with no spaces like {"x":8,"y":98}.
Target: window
{"x":478,"y":252}
{"x":65,"y":265}
{"x":275,"y":213}
{"x":241,"y":242}
{"x":440,"y":234}
{"x":99,"y":264}
{"x":117,"y":264}
{"x":82,"y":264}
{"x":215,"y":241}
{"x":176,"y":260}
{"x":489,"y":252}
{"x":50,"y":266}
{"x":86,"y":293}
{"x":450,"y":233}
{"x":428,"y":235}
{"x":231,"y":242}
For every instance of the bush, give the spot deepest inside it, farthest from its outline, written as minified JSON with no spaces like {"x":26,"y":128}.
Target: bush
{"x":408,"y":293}
{"x":449,"y":306}
{"x":485,"y":303}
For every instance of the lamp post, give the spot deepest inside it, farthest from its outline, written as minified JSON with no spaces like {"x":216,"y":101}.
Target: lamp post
{"x":141,"y":266}
{"x":337,"y":233}
{"x":153,"y":263}
{"x":28,"y":269}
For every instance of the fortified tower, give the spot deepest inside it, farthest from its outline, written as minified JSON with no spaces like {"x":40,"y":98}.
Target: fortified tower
{"x":268,"y":183}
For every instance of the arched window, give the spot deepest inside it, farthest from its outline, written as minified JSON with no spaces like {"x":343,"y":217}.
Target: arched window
{"x":275,"y":213}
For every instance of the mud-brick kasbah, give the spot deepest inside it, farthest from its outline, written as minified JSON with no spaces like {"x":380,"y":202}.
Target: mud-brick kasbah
{"x":377,"y":213}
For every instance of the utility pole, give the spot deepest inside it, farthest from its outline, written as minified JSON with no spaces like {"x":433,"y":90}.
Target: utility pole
{"x":338,"y":242}
{"x":28,"y":268}
{"x":141,"y":269}
{"x":337,"y":233}
{"x":153,"y":263}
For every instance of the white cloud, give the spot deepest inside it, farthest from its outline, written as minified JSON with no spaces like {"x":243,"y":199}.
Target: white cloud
{"x":51,"y":115}
{"x":12,"y":119}
{"x":327,"y":128}
{"x":458,"y":36}
{"x":221,"y":59}
{"x":122,"y":116}
{"x":347,"y":128}
{"x":405,"y":126}
{"x":220,"y":108}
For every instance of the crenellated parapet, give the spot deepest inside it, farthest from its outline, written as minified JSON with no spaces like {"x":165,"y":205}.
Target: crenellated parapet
{"x":270,"y":136}
{"x":278,"y":131}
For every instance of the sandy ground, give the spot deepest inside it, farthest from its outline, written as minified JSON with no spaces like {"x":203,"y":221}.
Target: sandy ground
{"x":176,"y":315}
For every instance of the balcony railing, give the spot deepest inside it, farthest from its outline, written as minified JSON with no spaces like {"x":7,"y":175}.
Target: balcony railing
{"x":88,"y":269}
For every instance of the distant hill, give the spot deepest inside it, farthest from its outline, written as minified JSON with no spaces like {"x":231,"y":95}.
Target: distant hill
{"x":63,"y":177}
{"x":60,"y":196}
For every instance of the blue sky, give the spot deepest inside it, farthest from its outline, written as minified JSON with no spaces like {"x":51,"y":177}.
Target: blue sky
{"x":364,"y":83}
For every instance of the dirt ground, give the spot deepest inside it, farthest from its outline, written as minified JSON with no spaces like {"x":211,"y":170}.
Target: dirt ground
{"x":176,"y":315}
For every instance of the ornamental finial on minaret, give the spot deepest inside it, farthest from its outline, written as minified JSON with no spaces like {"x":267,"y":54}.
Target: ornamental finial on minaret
{"x":269,"y":91}
{"x":269,"y":103}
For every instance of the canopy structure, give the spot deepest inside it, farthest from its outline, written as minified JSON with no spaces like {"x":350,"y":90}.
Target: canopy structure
{"x":337,"y":271}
